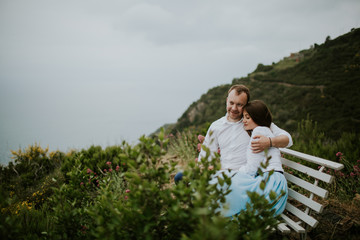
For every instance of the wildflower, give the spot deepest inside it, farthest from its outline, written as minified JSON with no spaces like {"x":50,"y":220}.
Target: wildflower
{"x":127,"y":190}
{"x":218,"y":150}
{"x":339,"y":154}
{"x":105,"y":170}
{"x":83,"y":229}
{"x":126,"y":197}
{"x":211,"y":168}
{"x":352,"y":174}
{"x":110,"y":170}
{"x":199,"y":147}
{"x":196,"y":159}
{"x":89,"y":171}
{"x":82,"y":183}
{"x":108,"y":163}
{"x":201,"y":138}
{"x":123,"y":164}
{"x":117,"y":168}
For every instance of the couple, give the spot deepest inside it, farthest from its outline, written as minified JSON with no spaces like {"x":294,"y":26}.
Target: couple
{"x":242,"y":135}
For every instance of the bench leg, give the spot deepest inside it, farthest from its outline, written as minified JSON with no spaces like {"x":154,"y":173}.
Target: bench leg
{"x":303,"y":236}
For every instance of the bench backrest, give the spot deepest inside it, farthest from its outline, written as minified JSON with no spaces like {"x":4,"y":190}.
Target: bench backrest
{"x":303,"y":181}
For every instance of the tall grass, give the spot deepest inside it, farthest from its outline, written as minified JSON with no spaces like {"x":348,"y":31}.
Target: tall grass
{"x":184,"y":146}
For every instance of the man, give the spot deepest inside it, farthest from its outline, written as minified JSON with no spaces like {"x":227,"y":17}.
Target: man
{"x":228,"y":135}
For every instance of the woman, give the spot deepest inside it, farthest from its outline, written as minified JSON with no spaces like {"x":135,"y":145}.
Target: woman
{"x":257,"y":119}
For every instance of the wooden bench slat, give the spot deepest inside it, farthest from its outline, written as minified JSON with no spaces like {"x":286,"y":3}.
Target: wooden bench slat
{"x":292,"y":224}
{"x":309,"y":171}
{"x":305,"y":200}
{"x":283,"y":228}
{"x":300,"y":214}
{"x":306,"y":185}
{"x":313,"y":159}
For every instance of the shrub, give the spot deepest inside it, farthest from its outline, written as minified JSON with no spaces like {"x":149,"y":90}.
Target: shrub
{"x":147,"y":206}
{"x":138,"y":201}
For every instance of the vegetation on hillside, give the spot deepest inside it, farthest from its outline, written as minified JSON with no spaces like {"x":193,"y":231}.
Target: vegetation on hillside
{"x":320,"y":83}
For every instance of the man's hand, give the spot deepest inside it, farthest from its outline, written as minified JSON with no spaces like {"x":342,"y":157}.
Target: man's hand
{"x":260,"y":144}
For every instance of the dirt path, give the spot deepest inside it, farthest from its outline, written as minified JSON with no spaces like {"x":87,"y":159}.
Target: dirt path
{"x":320,"y":87}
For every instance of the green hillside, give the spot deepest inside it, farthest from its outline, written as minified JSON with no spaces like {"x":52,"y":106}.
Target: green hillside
{"x":321,"y":83}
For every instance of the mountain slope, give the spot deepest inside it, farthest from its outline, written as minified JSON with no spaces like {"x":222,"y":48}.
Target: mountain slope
{"x":322,"y":82}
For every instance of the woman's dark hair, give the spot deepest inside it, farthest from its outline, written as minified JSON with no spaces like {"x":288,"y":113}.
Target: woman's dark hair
{"x":259,"y":113}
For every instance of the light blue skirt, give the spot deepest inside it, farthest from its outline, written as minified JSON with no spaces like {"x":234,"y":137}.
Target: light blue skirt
{"x":241,"y":183}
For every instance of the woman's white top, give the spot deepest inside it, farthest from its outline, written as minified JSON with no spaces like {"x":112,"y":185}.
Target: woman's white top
{"x":254,"y":159}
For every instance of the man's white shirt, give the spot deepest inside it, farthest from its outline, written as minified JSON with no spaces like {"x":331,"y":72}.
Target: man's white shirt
{"x":232,"y":140}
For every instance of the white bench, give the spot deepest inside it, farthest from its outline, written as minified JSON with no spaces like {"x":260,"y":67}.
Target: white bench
{"x":301,"y":192}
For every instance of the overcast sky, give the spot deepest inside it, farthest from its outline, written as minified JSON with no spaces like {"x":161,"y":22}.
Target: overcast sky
{"x":83,"y":72}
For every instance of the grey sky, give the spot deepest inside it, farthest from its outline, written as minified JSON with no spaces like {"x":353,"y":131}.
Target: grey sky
{"x":77,"y":73}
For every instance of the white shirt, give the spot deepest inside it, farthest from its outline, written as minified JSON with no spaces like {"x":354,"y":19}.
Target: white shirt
{"x":232,"y":140}
{"x":255,"y":159}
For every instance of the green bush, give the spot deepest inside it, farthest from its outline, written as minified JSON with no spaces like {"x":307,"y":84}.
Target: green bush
{"x":263,"y":68}
{"x":146,"y":205}
{"x":98,"y":199}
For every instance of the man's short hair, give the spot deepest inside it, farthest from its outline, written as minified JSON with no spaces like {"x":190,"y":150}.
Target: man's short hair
{"x":239,"y":88}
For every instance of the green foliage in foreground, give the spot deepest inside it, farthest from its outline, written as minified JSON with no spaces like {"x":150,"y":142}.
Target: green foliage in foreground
{"x":126,"y":192}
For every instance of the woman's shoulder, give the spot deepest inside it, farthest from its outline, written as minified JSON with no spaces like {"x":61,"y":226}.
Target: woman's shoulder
{"x":262,"y":130}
